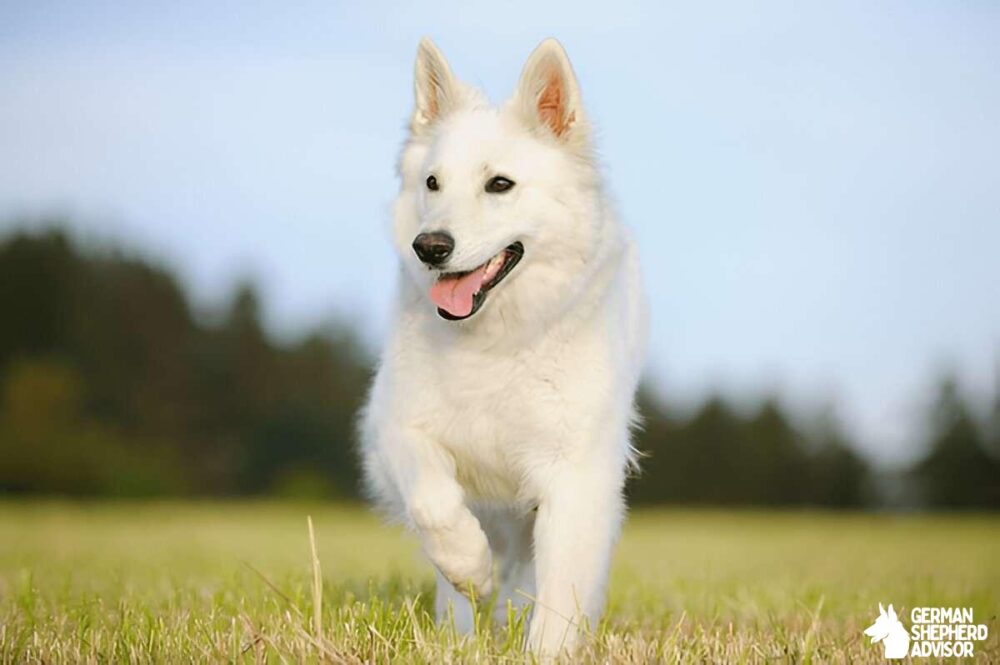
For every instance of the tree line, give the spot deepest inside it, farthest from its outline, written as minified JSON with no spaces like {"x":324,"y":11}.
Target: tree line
{"x":112,"y":384}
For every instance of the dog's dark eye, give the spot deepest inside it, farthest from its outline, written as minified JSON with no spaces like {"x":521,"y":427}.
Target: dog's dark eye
{"x":432,"y":183}
{"x":499,"y":184}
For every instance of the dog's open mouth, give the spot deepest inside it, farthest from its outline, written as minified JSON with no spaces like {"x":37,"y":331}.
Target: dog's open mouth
{"x":459,"y":295}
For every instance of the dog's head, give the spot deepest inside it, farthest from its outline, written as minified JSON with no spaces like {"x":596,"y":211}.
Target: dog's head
{"x":500,"y":215}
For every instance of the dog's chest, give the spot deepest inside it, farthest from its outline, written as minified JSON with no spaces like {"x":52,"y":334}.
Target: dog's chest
{"x":498,"y":413}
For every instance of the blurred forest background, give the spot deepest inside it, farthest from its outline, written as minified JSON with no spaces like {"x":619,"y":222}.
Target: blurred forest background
{"x":113,"y":384}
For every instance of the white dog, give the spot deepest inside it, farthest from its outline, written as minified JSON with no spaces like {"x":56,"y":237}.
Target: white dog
{"x":498,"y":422}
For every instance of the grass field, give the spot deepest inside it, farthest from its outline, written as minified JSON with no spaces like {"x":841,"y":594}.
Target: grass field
{"x":234,"y":582}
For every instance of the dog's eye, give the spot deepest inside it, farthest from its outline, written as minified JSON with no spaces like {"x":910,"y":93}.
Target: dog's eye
{"x":499,"y":184}
{"x":432,"y":183}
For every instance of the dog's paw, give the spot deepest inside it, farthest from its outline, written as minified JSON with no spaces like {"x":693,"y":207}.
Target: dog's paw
{"x":462,"y":554}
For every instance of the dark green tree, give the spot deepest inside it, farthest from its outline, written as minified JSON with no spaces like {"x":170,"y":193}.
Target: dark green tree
{"x":110,"y":384}
{"x":958,"y":471}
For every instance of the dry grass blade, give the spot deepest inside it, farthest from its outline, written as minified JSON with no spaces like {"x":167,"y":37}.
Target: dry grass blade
{"x":317,"y":583}
{"x":273,"y":587}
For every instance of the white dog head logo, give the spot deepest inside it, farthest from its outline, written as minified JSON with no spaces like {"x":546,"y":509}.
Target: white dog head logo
{"x":889,"y":630}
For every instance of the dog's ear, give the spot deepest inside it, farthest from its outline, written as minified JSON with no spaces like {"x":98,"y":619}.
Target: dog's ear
{"x":435,"y":87}
{"x":548,"y":93}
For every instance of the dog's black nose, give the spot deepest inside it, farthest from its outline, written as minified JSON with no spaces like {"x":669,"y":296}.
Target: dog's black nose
{"x":433,"y":248}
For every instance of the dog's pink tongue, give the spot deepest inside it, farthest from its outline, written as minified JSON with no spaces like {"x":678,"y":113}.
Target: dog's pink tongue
{"x":454,"y":294}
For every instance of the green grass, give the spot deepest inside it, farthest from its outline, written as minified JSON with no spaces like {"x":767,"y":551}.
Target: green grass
{"x":213,"y":582}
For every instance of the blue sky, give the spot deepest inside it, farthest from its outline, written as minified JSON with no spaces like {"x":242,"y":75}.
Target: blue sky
{"x":815,"y":186}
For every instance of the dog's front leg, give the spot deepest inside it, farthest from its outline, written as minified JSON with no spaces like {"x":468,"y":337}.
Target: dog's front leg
{"x":452,"y":537}
{"x":578,"y":519}
{"x":450,"y":534}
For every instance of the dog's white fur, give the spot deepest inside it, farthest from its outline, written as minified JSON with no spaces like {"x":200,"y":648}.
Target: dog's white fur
{"x":505,"y":436}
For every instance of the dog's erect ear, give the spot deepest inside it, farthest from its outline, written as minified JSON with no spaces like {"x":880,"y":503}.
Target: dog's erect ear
{"x":881,"y":610}
{"x":434,"y":86}
{"x":892,"y":614}
{"x":548,"y":92}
